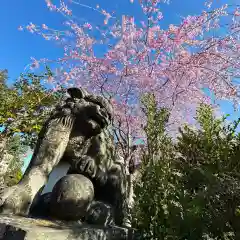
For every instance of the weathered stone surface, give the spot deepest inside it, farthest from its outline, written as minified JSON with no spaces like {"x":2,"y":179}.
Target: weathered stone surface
{"x":19,"y":228}
{"x":100,"y":213}
{"x":71,"y":196}
{"x":77,"y":132}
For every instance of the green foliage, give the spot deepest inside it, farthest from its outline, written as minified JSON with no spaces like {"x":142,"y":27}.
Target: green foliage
{"x":13,"y":177}
{"x":155,"y":129}
{"x":15,"y":147}
{"x":193,"y":191}
{"x":210,"y":166}
{"x":154,"y":191}
{"x":25,"y":105}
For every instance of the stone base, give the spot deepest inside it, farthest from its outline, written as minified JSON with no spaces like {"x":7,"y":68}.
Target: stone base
{"x":20,"y":228}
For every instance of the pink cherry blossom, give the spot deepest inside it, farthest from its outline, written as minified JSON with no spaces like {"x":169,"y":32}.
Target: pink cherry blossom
{"x":237,"y":12}
{"x":44,"y":26}
{"x":174,"y":63}
{"x":87,"y":25}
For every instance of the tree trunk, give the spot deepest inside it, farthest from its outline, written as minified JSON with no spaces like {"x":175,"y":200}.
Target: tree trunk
{"x":5,"y":159}
{"x":3,"y":143}
{"x":4,"y":164}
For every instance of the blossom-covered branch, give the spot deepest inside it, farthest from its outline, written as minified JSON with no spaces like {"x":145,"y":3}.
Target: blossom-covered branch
{"x":175,"y":64}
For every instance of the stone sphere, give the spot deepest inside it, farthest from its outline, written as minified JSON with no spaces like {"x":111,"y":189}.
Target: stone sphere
{"x":71,"y":197}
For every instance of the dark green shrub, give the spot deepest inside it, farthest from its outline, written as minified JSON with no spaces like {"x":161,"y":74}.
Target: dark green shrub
{"x":191,"y":190}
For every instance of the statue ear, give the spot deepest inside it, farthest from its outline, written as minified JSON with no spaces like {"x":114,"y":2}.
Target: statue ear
{"x":76,"y":93}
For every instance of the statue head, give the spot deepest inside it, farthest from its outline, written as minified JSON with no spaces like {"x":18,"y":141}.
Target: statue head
{"x":92,"y":113}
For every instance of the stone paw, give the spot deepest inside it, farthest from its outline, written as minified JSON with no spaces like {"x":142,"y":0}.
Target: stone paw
{"x":87,"y":165}
{"x":15,"y":200}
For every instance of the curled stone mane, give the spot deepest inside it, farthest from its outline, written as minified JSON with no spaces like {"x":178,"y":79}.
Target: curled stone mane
{"x":77,"y":132}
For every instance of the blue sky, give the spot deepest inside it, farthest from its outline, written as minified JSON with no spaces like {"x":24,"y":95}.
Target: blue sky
{"x":17,"y":47}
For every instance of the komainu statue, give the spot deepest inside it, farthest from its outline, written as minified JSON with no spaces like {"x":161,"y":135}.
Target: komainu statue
{"x":94,"y":190}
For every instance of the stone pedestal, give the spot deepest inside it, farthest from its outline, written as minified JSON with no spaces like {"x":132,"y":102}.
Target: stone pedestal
{"x":20,"y":228}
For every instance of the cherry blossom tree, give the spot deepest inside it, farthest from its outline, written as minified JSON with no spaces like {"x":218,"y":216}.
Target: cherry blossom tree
{"x":174,"y":64}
